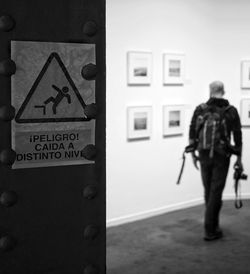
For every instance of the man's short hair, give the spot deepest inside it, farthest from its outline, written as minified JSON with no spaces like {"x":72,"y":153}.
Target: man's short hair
{"x":216,"y":87}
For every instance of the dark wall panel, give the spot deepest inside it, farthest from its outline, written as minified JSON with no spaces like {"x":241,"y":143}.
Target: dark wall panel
{"x":53,"y":228}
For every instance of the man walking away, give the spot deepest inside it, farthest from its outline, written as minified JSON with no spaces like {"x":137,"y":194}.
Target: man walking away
{"x":210,"y":132}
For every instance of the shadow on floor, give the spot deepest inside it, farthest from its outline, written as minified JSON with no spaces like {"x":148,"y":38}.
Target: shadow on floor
{"x":173,"y":243}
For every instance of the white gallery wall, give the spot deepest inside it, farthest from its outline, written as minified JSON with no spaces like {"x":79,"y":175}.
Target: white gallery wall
{"x":142,"y":174}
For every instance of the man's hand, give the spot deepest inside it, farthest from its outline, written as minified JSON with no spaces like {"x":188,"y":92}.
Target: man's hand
{"x":239,"y":164}
{"x":195,"y":159}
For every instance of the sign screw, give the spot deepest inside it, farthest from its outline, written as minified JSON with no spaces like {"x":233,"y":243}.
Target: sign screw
{"x":90,"y":28}
{"x":7,"y":243}
{"x":91,"y":232}
{"x":7,"y":157}
{"x":89,"y":152}
{"x":89,"y":192}
{"x":91,"y":111}
{"x":7,"y":23}
{"x":8,"y":198}
{"x":7,"y":113}
{"x":7,"y":67}
{"x":89,"y":72}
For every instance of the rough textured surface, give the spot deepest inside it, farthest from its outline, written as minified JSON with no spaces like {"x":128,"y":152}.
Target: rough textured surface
{"x":173,"y":243}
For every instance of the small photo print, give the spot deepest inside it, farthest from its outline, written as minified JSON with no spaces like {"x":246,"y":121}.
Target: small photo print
{"x":174,"y":68}
{"x":140,"y":72}
{"x":245,"y":112}
{"x":140,"y":121}
{"x":174,"y":118}
{"x":139,"y":68}
{"x":245,"y":74}
{"x":173,"y":123}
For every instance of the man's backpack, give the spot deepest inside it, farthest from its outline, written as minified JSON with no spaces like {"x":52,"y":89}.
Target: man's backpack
{"x":211,"y":129}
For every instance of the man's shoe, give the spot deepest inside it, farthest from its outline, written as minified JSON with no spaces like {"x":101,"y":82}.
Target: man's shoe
{"x":213,"y":236}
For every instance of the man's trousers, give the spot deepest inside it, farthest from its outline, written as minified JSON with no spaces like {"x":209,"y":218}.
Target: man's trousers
{"x":214,"y":173}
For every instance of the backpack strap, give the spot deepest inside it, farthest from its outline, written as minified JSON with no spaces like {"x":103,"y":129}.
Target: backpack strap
{"x":211,"y":153}
{"x":203,"y":106}
{"x":182,"y":167}
{"x":226,"y":109}
{"x":238,"y":201}
{"x":223,"y":116}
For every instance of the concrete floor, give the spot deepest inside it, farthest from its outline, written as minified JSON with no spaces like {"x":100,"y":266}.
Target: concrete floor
{"x":173,"y":243}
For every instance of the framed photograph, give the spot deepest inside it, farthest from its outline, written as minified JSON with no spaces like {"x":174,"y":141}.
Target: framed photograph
{"x":245,"y":112}
{"x":245,"y":74}
{"x":173,"y":120}
{"x":139,"y":122}
{"x":139,"y":65}
{"x":173,"y":68}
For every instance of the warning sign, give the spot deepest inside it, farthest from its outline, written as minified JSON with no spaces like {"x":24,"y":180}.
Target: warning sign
{"x":53,"y":97}
{"x":49,"y":94}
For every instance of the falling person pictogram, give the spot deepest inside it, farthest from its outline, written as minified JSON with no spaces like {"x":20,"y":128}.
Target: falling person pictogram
{"x":60,"y":95}
{"x":56,"y":100}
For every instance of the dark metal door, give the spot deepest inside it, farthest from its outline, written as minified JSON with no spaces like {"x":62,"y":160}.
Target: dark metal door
{"x":52,"y":217}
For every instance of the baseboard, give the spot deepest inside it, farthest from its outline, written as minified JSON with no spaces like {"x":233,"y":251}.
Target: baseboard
{"x":244,"y":196}
{"x":151,"y":213}
{"x":162,"y":210}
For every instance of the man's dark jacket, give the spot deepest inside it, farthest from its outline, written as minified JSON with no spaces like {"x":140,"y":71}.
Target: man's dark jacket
{"x":232,"y":121}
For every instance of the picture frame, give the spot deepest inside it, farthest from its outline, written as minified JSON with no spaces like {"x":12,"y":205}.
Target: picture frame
{"x":173,"y":120}
{"x":173,"y":68}
{"x":139,"y":68}
{"x":139,"y":122}
{"x":245,"y":74}
{"x":245,"y":112}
